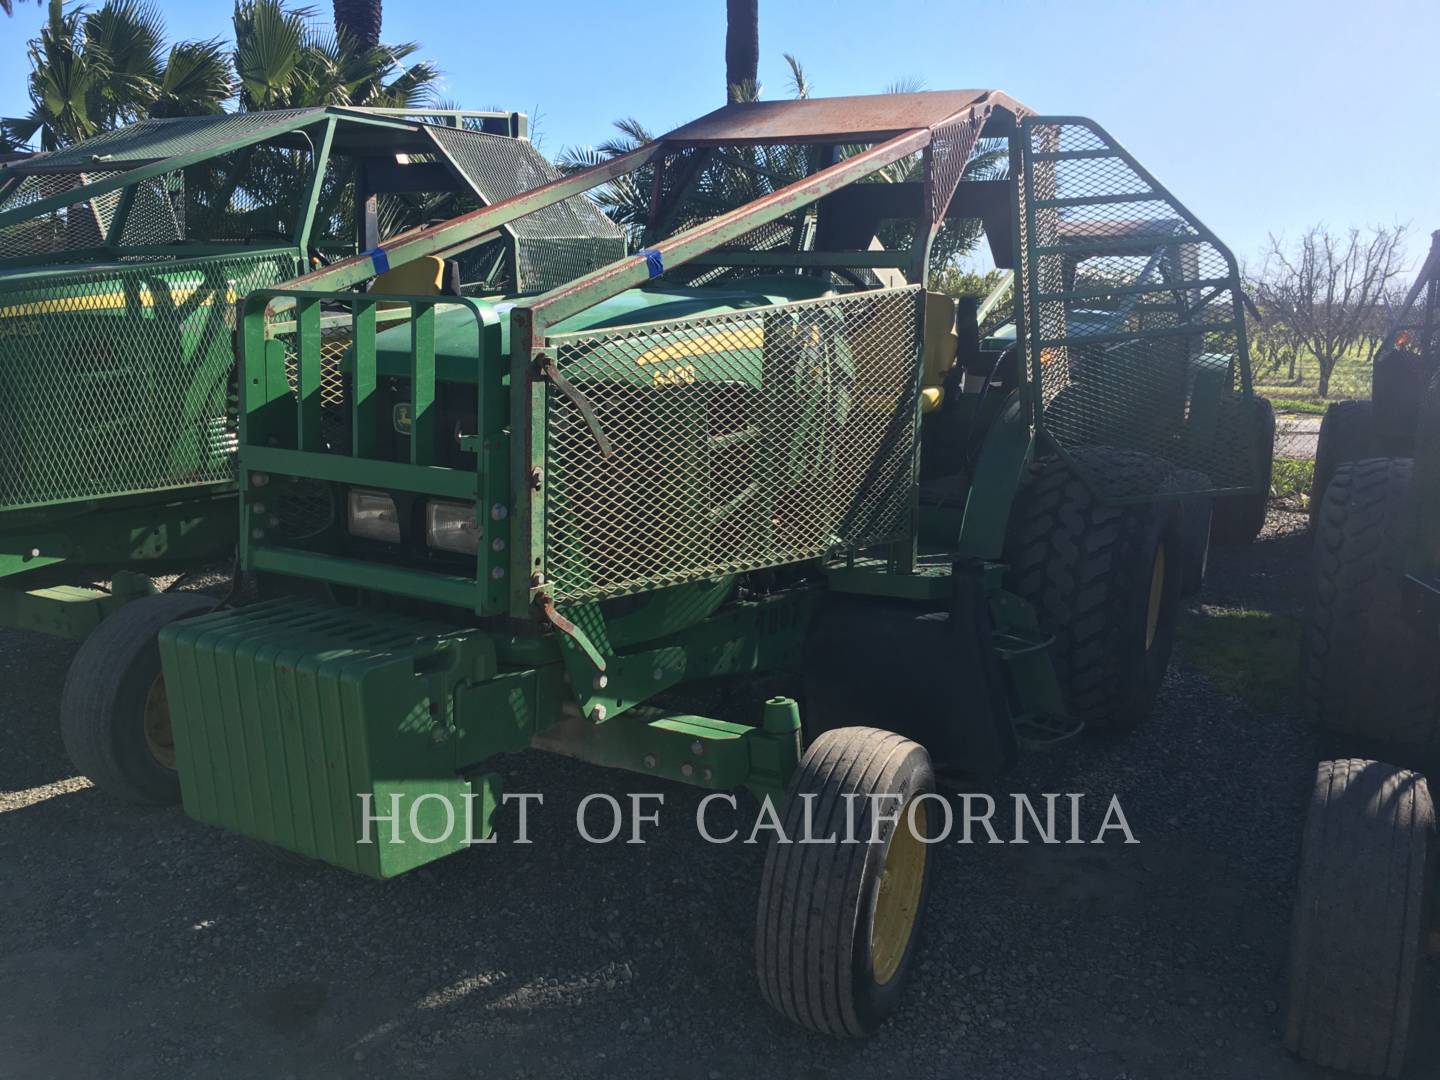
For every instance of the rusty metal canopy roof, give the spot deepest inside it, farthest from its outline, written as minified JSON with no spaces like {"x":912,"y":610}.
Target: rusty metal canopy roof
{"x":862,"y":118}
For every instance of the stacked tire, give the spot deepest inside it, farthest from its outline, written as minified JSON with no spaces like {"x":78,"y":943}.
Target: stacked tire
{"x":1362,"y":918}
{"x":1368,"y":667}
{"x":1365,"y":900}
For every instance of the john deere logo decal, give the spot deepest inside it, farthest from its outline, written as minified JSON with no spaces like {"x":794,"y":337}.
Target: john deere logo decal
{"x":402,"y":416}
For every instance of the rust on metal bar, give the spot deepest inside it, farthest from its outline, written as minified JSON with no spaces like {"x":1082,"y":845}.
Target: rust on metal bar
{"x":861,"y":118}
{"x":550,"y":372}
{"x":591,"y":288}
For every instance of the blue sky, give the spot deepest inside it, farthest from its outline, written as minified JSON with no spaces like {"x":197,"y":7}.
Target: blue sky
{"x":1262,"y":116}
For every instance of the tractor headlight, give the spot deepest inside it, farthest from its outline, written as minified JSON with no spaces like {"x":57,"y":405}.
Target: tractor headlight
{"x":450,"y":526}
{"x":372,"y":516}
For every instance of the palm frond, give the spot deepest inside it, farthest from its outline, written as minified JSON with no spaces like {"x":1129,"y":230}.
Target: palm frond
{"x":198,"y":80}
{"x":270,"y":45}
{"x":909,"y":84}
{"x":799,"y":85}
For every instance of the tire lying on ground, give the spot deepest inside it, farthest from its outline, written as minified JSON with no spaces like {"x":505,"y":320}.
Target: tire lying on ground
{"x":1347,"y":433}
{"x":1104,"y":581}
{"x":1239,"y":519}
{"x":1366,"y":669}
{"x":838,"y":924}
{"x":114,"y":712}
{"x":1357,"y":954}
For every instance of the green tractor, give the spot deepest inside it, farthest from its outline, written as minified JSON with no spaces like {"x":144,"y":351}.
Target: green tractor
{"x":758,"y":445}
{"x":121,"y":260}
{"x":1366,"y":912}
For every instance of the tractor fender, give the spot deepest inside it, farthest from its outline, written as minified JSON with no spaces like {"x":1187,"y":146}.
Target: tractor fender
{"x":1006,"y":450}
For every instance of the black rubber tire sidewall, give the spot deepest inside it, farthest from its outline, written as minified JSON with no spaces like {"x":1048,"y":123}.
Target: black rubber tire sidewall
{"x":102,"y":702}
{"x":1239,"y":519}
{"x":817,"y":900}
{"x":1086,"y":569}
{"x":1347,"y":433}
{"x":1362,"y":917}
{"x":1366,"y":669}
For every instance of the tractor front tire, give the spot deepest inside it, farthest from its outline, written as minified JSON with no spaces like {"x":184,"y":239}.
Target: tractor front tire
{"x":1104,"y":581}
{"x":1362,"y":906}
{"x":114,"y":712}
{"x":839,"y":921}
{"x":1346,"y":434}
{"x":1239,"y":519}
{"x":1365,"y":668}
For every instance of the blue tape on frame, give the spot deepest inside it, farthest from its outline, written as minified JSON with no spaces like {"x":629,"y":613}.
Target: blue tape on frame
{"x":655,"y":261}
{"x":381,"y":260}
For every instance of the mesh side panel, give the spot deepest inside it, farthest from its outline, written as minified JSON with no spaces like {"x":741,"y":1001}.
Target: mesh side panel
{"x":1136,"y":332}
{"x":66,"y":229}
{"x":950,"y":148}
{"x":120,"y":381}
{"x":556,"y":243}
{"x":157,"y":212}
{"x":741,"y":441}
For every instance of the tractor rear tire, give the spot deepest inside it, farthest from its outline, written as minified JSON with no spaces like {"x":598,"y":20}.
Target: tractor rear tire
{"x":1239,"y":519}
{"x":114,"y":713}
{"x":1196,"y":514}
{"x":1362,"y":908}
{"x":838,"y":924}
{"x":1346,"y":434}
{"x":1365,"y":669}
{"x":1104,"y":581}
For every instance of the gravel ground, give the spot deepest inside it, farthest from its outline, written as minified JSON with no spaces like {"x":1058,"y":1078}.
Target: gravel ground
{"x":140,"y":944}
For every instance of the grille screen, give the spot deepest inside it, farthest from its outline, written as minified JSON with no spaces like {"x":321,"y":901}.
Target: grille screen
{"x":741,"y":441}
{"x":120,"y":381}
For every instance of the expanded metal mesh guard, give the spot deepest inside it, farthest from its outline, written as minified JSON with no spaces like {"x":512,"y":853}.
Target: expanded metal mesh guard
{"x":554,"y":244}
{"x":1136,"y":329}
{"x":119,"y":381}
{"x":741,"y":441}
{"x":158,"y":139}
{"x":950,"y":148}
{"x":80,"y":226}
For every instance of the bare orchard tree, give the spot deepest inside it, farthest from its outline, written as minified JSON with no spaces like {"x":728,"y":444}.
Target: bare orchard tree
{"x":1274,"y":345}
{"x":1326,"y":288}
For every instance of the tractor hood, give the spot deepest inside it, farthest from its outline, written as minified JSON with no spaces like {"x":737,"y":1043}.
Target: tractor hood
{"x":457,"y":344}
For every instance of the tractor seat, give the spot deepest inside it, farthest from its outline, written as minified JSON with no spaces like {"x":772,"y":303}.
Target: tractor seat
{"x":425,"y":276}
{"x":940,"y":346}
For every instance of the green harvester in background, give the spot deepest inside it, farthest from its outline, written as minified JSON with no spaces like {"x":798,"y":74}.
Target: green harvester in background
{"x":531,"y":519}
{"x":121,"y":261}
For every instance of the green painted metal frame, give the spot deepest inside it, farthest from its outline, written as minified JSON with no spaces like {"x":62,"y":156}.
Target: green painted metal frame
{"x":280,"y":437}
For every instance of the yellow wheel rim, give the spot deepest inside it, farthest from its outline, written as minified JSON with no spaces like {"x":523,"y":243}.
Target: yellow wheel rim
{"x":1157,"y":596}
{"x":159,"y":736}
{"x":897,"y":902}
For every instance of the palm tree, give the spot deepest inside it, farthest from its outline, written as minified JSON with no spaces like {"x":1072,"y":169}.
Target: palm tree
{"x":742,"y":48}
{"x":283,"y":63}
{"x":358,"y":21}
{"x":91,"y":71}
